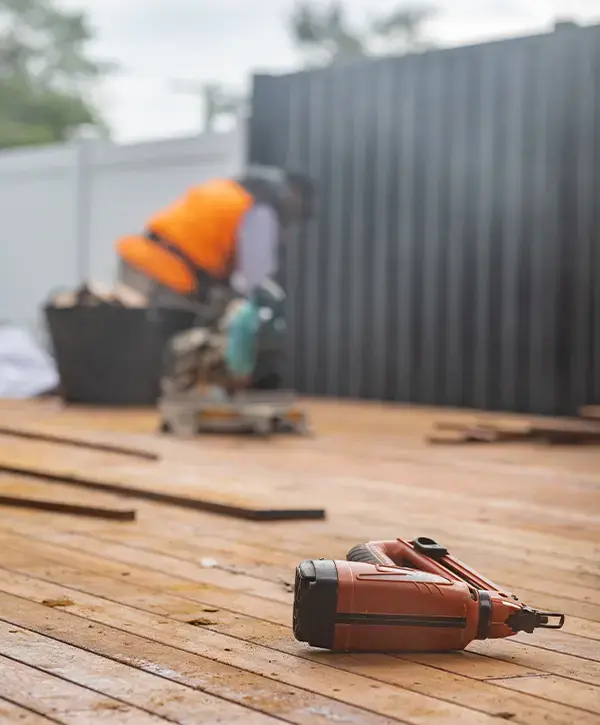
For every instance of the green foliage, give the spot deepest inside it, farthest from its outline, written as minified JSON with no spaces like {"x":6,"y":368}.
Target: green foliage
{"x":45,"y":74}
{"x":402,"y":29}
{"x":325,"y":35}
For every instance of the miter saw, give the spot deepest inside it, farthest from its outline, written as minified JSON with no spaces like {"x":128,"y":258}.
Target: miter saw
{"x":199,"y":391}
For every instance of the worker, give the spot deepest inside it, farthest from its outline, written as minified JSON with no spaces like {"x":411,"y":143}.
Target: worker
{"x":221,"y":235}
{"x":217,"y":245}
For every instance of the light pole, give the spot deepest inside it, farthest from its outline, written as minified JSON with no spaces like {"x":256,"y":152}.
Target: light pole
{"x":214,"y":101}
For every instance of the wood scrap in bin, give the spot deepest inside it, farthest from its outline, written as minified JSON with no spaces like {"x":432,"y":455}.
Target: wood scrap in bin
{"x":92,"y":294}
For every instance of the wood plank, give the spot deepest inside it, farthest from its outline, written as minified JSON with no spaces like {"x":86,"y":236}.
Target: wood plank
{"x":351,"y":689}
{"x":11,"y":713}
{"x":64,"y":702}
{"x":590,"y":411}
{"x":24,"y":493}
{"x":545,"y":431}
{"x":574,"y":694}
{"x":190,"y":670}
{"x":41,"y":504}
{"x":556,"y":641}
{"x":68,"y":439}
{"x":569,"y":666}
{"x":124,"y":683}
{"x":237,"y":510}
{"x":420,"y":679}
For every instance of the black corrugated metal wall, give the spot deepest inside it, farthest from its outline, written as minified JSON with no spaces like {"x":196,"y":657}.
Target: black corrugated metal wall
{"x":455,"y":258}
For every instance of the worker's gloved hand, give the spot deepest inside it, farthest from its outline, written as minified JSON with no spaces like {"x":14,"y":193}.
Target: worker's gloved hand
{"x":254,"y":326}
{"x":241,"y":349}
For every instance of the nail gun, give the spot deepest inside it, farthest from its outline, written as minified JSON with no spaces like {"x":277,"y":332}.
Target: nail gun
{"x":405,"y":596}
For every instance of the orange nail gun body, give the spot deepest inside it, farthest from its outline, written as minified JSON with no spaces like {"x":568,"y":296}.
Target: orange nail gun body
{"x":404,"y":596}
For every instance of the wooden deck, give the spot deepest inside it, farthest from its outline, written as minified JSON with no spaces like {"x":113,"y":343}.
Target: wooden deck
{"x":184,"y":617}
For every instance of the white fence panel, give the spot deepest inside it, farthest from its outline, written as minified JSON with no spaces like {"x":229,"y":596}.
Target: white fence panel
{"x":38,"y":217}
{"x":63,"y":208}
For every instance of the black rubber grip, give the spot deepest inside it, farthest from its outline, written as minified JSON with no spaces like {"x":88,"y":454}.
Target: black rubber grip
{"x":363,"y":554}
{"x":485,"y":615}
{"x":430,"y":548}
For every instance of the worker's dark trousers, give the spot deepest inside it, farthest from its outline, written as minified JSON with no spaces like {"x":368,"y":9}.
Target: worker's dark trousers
{"x":267,"y":374}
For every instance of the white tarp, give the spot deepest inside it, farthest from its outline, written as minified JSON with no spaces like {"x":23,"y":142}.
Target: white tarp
{"x":26,"y":370}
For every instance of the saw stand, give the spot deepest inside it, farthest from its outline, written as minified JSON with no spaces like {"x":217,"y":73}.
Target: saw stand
{"x":262,"y":413}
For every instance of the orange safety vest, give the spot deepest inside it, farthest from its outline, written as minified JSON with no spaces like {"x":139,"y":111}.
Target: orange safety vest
{"x":202,"y":227}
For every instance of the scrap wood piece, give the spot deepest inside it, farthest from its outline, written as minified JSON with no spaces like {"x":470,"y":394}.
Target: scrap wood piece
{"x":590,"y":412}
{"x":478,"y":433}
{"x":79,"y":442}
{"x":173,"y":499}
{"x":558,"y":436}
{"x":97,"y":512}
{"x":551,"y":432}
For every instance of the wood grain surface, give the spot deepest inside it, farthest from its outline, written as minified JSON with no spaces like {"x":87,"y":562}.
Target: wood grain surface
{"x":183,"y":616}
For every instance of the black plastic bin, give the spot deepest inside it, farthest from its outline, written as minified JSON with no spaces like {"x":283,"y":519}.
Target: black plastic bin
{"x":112,"y":355}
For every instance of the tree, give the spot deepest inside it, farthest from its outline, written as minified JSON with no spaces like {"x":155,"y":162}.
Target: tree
{"x":325,"y":35}
{"x":45,"y":74}
{"x":402,"y":30}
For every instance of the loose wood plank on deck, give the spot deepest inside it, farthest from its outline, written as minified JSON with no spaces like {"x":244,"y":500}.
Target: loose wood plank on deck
{"x":68,"y":439}
{"x":192,"y":498}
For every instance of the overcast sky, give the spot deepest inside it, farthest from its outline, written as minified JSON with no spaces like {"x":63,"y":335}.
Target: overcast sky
{"x":155,"y":41}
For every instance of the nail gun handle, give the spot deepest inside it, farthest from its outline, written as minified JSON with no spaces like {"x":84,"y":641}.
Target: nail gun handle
{"x":375,"y":552}
{"x":423,"y":554}
{"x":372,"y":553}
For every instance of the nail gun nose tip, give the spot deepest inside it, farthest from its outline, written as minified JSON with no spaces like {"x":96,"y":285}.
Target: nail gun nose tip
{"x":551,"y":620}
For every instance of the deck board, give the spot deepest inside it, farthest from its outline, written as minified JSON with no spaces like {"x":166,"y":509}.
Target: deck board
{"x":528,"y":517}
{"x":11,"y":713}
{"x":64,"y":701}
